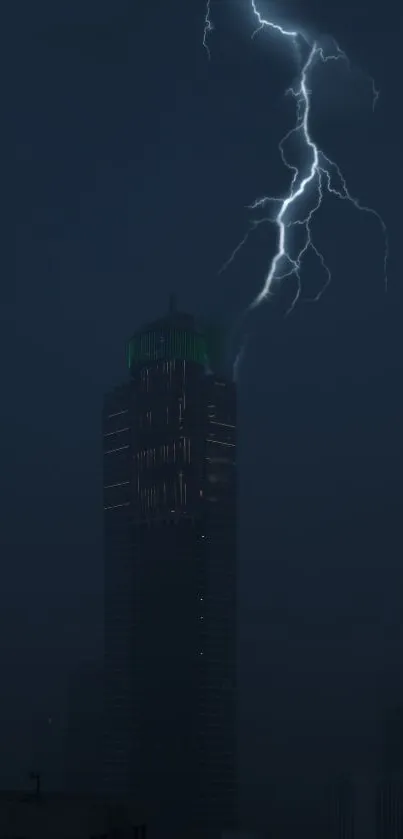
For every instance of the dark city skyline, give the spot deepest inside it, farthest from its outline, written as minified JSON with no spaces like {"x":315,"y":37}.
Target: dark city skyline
{"x":136,"y":158}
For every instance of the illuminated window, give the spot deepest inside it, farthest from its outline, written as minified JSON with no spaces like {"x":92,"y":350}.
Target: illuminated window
{"x":118,"y":413}
{"x":120,"y":449}
{"x":221,"y":443}
{"x":117,"y":431}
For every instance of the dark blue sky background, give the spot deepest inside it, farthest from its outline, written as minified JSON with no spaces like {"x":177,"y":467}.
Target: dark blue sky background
{"x":134,"y":160}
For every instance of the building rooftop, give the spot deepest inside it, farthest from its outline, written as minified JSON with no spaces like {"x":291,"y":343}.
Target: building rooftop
{"x":177,"y":336}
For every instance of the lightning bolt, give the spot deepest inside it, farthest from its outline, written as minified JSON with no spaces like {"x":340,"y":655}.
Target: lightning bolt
{"x":208,"y":28}
{"x":309,"y":182}
{"x":375,"y":95}
{"x":262,"y":24}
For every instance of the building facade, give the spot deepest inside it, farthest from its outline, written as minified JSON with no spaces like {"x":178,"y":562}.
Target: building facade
{"x":389,"y":808}
{"x":170,"y":531}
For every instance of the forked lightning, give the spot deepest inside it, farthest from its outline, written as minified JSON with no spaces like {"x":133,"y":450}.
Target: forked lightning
{"x":315,"y":176}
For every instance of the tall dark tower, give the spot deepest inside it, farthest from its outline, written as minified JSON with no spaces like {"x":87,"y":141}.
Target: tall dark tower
{"x":170,"y":526}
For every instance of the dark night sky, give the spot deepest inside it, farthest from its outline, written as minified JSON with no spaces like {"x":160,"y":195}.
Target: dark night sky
{"x":134,"y":160}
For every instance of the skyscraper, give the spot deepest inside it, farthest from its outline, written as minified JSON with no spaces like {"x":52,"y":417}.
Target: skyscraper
{"x":170,"y":530}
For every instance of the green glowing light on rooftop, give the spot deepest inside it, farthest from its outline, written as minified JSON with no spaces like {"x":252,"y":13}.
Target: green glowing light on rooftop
{"x":167,"y":344}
